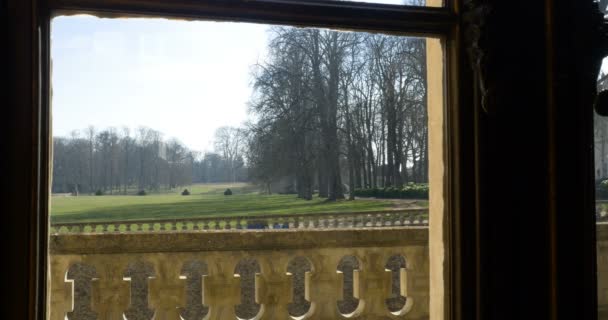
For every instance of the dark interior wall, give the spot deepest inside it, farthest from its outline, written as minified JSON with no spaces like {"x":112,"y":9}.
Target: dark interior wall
{"x":533,"y":256}
{"x":577,"y":49}
{"x":19,"y":155}
{"x":513,"y":149}
{"x":536,"y":162}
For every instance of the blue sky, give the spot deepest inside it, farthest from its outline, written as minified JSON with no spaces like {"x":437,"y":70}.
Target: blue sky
{"x":183,"y":78}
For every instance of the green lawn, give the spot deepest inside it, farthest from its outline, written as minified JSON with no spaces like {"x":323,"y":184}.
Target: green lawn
{"x":206,"y":200}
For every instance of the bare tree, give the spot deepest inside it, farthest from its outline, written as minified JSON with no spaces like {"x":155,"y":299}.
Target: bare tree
{"x":228,"y":141}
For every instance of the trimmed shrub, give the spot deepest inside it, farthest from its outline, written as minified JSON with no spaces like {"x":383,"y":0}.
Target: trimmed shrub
{"x":99,"y":193}
{"x":228,"y":192}
{"x":185,"y":192}
{"x":141,"y":192}
{"x":409,"y":191}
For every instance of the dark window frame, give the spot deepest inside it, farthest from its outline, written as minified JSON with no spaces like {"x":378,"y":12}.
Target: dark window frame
{"x":440,"y":22}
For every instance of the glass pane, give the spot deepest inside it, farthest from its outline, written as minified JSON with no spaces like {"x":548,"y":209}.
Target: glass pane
{"x":223,"y":170}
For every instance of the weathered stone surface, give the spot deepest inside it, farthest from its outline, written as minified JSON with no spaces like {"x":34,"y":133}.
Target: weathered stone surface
{"x":312,"y":274}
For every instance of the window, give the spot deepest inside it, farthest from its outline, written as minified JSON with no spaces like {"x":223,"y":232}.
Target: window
{"x":436,"y":23}
{"x":509,"y":258}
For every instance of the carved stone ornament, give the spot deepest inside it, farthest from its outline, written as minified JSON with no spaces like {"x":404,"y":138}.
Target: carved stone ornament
{"x":475,"y":20}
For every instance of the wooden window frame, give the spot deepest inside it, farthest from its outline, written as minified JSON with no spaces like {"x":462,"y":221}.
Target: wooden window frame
{"x":459,"y":225}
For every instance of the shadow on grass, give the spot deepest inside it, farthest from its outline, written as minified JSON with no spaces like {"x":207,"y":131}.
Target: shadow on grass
{"x":219,"y":206}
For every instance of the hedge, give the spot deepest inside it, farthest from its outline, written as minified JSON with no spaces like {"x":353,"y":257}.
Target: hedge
{"x":409,"y":191}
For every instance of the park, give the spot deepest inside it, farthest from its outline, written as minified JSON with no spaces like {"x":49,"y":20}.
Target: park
{"x":208,"y":201}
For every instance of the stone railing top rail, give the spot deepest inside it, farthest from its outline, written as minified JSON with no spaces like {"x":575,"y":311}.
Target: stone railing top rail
{"x":99,"y":243}
{"x":244,"y":217}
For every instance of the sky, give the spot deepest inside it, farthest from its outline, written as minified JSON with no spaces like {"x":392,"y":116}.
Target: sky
{"x":182,"y":78}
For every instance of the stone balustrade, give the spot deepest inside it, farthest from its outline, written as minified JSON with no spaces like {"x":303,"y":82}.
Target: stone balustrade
{"x":375,"y":219}
{"x":372,"y":273}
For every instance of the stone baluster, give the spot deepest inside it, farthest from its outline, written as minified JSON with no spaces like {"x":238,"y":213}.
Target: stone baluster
{"x":339,"y":222}
{"x":117,"y":227}
{"x":399,"y":219}
{"x":304,"y":222}
{"x":222,"y":288}
{"x":227,"y":225}
{"x":373,"y":221}
{"x":296,"y":222}
{"x":274,"y":287}
{"x":406,"y":219}
{"x":375,"y":284}
{"x":334,"y":221}
{"x":273,"y":223}
{"x":167,"y":290}
{"x":346,"y":222}
{"x":358,"y":220}
{"x":388,"y":219}
{"x":326,"y":286}
{"x":325,"y":222}
{"x":380,"y":220}
{"x":111,"y":292}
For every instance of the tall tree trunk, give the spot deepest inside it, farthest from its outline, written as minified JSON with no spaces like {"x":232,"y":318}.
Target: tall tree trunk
{"x":332,"y":147}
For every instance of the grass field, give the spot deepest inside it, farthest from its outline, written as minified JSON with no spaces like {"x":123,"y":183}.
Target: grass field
{"x":206,"y":200}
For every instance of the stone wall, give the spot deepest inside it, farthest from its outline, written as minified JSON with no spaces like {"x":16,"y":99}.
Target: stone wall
{"x":312,"y":274}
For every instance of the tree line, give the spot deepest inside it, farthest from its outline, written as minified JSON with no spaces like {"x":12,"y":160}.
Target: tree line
{"x":339,"y":110}
{"x":126,"y":161}
{"x":331,"y":112}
